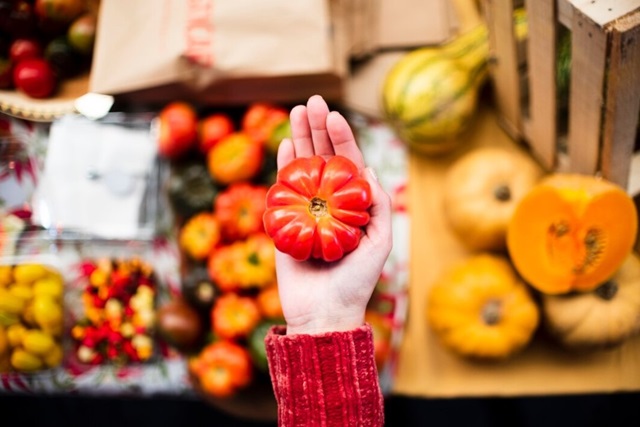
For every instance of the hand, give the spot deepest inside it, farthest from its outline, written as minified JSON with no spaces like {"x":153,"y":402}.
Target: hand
{"x":318,"y":297}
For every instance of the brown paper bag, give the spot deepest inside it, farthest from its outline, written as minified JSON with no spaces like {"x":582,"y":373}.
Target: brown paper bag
{"x":208,"y":47}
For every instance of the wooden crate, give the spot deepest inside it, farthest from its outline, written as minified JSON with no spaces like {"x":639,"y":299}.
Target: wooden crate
{"x":604,"y":100}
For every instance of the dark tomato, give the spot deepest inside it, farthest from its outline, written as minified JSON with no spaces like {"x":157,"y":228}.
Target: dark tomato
{"x":22,"y":49}
{"x":34,"y":77}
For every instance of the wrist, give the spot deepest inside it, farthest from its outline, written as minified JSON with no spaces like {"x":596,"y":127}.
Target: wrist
{"x":314,"y":326}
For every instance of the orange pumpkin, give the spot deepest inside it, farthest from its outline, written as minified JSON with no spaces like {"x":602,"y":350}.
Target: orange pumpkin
{"x":479,"y":308}
{"x":571,"y":233}
{"x":481,"y":191}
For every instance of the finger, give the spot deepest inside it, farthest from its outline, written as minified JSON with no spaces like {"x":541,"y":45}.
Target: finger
{"x":378,"y":231}
{"x":300,"y":131}
{"x":342,"y":138}
{"x":286,"y":153}
{"x":317,"y":111}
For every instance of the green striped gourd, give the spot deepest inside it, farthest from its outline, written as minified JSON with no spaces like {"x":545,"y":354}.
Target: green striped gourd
{"x":430,"y":94}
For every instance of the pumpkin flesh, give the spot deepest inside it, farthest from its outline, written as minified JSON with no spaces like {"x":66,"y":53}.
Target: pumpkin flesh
{"x":571,"y":233}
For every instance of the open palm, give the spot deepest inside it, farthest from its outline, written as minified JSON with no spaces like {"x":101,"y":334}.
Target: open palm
{"x":317,"y":296}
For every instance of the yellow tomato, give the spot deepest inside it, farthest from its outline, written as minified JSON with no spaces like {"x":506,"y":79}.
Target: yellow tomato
{"x":6,"y":275}
{"x":50,"y":285}
{"x":15,"y":333}
{"x":22,"y":360}
{"x":28,"y":273}
{"x":4,"y":341}
{"x":47,"y":311}
{"x":21,"y":290}
{"x":37,"y":342}
{"x":10,"y":303}
{"x":54,"y":357}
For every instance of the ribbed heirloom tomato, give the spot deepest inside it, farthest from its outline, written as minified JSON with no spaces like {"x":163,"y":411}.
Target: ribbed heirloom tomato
{"x":316,"y":208}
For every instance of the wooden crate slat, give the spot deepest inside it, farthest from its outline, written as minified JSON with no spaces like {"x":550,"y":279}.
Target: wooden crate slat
{"x":542,"y":126}
{"x":565,"y":12}
{"x":503,"y":45}
{"x":588,"y":58}
{"x":622,"y":100}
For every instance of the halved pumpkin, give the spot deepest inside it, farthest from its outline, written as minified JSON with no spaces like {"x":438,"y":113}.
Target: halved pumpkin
{"x":571,"y":232}
{"x":602,"y":318}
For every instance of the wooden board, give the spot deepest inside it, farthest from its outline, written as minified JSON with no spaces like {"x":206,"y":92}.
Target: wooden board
{"x":425,"y":368}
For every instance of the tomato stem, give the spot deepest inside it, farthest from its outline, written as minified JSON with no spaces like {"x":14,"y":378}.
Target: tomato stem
{"x":318,"y":207}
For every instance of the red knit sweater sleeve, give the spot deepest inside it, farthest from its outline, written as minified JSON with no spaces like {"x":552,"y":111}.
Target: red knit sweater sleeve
{"x":326,"y":379}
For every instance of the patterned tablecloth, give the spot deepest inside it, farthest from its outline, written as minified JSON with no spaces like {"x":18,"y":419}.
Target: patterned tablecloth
{"x":166,"y":372}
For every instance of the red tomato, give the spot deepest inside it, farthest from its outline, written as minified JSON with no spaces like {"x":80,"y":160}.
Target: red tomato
{"x":261,"y":119}
{"x":22,"y":49}
{"x":213,"y":129}
{"x":34,"y":77}
{"x":239,"y":209}
{"x":178,"y":129}
{"x":236,"y":158}
{"x":316,"y":208}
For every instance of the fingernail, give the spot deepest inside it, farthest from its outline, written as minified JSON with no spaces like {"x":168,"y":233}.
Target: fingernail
{"x":373,"y":173}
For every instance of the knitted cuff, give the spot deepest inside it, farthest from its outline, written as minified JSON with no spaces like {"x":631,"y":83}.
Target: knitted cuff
{"x":327,"y":379}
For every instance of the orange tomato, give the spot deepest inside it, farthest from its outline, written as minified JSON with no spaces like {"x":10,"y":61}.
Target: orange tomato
{"x":239,"y":208}
{"x":199,"y":235}
{"x":234,"y":316}
{"x":224,"y":368}
{"x":235,"y":158}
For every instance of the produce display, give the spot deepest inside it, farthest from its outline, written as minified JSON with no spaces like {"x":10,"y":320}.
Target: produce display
{"x":481,"y":309}
{"x":547,"y":250}
{"x":481,"y":191}
{"x":45,"y":42}
{"x":118,"y":298}
{"x":571,"y":232}
{"x":316,"y":208}
{"x":231,"y":212}
{"x":31,"y":317}
{"x":221,"y":169}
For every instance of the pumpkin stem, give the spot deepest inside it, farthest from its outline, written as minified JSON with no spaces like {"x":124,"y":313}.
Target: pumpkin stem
{"x":607,"y":290}
{"x":502,"y":193}
{"x":318,"y":207}
{"x":492,"y":312}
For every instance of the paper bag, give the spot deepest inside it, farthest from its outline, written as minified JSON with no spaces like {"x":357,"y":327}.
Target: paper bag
{"x":198,"y":44}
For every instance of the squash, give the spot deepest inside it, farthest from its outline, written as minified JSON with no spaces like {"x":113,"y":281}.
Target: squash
{"x":602,"y":318}
{"x":430,"y":95}
{"x":481,"y":191}
{"x":479,"y":308}
{"x":571,"y":232}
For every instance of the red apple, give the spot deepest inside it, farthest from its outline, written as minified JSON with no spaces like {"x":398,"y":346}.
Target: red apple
{"x":178,"y":129}
{"x":34,"y":77}
{"x":212,"y":129}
